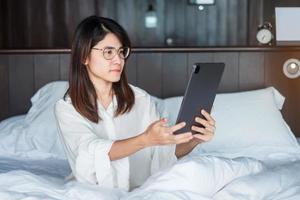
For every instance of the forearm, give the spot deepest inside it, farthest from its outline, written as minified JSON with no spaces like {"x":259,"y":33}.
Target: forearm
{"x":126,"y":147}
{"x":185,"y":148}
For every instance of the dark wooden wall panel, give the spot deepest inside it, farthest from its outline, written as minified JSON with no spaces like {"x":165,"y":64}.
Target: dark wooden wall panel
{"x":296,"y":127}
{"x":107,"y":8}
{"x":64,"y":62}
{"x":87,"y":7}
{"x":229,"y":81}
{"x":174,"y":22}
{"x":159,"y":31}
{"x":222,"y":25}
{"x":21,"y":83}
{"x":251,"y":70}
{"x":274,"y":77}
{"x":4,"y":86}
{"x":131,"y":69}
{"x":195,"y":29}
{"x":51,"y":24}
{"x":255,"y":18}
{"x":162,"y":74}
{"x":149,"y":69}
{"x":128,"y":19}
{"x":149,"y":36}
{"x":46,"y":69}
{"x":174,"y":74}
{"x":198,"y":58}
{"x":242,"y":18}
{"x":2,"y":15}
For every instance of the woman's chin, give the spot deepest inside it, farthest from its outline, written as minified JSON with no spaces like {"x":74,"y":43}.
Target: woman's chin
{"x":115,"y":79}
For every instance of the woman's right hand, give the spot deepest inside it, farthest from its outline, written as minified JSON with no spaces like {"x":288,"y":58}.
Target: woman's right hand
{"x":159,"y":133}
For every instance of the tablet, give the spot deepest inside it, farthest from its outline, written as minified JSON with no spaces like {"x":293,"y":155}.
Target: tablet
{"x":199,"y":94}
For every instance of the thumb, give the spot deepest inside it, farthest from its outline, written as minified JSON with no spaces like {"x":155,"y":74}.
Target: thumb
{"x":162,"y":121}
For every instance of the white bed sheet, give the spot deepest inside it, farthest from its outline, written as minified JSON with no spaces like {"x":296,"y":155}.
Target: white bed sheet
{"x":194,"y":177}
{"x":210,"y":177}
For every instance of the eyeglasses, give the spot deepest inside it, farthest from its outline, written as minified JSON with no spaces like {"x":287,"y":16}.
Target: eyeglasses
{"x":110,"y":52}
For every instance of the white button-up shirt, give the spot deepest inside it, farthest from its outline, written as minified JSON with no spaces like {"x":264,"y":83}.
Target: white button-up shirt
{"x":87,"y":144}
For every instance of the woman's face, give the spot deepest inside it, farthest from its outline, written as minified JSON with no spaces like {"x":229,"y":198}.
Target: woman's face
{"x":101,"y":69}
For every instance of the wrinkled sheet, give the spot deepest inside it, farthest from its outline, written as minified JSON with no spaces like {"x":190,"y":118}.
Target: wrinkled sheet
{"x":194,"y":177}
{"x":33,"y":175}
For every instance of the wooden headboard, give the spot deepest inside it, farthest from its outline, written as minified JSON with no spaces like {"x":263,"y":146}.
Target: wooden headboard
{"x":162,"y":72}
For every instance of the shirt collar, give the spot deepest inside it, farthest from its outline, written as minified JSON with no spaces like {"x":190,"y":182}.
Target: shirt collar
{"x":111,"y":107}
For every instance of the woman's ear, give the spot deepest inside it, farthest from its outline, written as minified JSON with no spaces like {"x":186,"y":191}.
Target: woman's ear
{"x":86,"y":62}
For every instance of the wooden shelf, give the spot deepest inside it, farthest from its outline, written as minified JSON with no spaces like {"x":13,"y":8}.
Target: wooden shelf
{"x":165,"y":49}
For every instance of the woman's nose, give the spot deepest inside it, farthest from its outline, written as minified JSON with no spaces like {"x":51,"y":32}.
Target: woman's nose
{"x":117,"y":58}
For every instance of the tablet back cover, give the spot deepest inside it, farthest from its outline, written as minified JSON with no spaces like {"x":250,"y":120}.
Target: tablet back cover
{"x":200,"y":93}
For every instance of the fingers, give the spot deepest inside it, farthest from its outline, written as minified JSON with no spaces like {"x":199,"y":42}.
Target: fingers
{"x":209,"y":123}
{"x":204,"y":122}
{"x":206,"y":132}
{"x":199,"y":130}
{"x":208,"y":117}
{"x":182,"y":138}
{"x":163,"y":134}
{"x":161,"y":122}
{"x":177,"y":139}
{"x":204,"y":138}
{"x":177,"y":127}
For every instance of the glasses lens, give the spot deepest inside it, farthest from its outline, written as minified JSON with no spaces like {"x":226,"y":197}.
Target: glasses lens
{"x":109,"y":53}
{"x":124,"y":52}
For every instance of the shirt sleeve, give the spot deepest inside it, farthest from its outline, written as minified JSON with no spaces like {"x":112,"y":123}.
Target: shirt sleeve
{"x":162,"y":156}
{"x":86,"y":152}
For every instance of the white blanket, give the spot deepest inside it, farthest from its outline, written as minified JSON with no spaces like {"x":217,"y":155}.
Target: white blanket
{"x":32,"y":168}
{"x":194,"y":177}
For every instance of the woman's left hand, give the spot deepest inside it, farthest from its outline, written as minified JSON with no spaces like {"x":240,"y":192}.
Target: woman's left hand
{"x":206,"y":133}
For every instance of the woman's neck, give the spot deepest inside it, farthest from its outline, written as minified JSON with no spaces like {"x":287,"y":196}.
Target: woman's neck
{"x":104,"y":93}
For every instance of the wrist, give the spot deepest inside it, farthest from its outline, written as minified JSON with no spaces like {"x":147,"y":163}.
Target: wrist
{"x":144,"y":141}
{"x":194,"y":142}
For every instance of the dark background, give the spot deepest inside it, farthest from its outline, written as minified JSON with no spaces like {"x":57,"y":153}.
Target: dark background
{"x":50,"y":23}
{"x":35,"y":37}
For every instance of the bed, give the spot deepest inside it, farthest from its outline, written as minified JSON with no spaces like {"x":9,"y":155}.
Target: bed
{"x":254,"y":154}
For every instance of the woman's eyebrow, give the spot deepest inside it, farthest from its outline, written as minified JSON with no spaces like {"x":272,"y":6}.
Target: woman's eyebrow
{"x":111,"y":47}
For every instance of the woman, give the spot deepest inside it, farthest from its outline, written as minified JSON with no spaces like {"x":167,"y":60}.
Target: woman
{"x":111,"y":131}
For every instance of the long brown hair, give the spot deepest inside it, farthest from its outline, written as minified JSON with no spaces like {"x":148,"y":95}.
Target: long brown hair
{"x":81,"y":89}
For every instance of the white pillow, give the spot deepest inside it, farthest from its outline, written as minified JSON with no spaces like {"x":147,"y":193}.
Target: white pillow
{"x":10,"y":131}
{"x":47,"y":95}
{"x":35,"y":134}
{"x":168,"y":108}
{"x":247,"y":124}
{"x":40,"y":123}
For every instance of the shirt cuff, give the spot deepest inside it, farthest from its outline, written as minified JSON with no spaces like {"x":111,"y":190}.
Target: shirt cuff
{"x":111,"y":174}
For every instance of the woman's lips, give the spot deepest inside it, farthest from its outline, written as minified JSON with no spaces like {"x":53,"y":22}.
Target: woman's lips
{"x":115,"y":70}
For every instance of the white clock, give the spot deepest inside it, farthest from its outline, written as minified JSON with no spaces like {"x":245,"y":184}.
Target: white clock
{"x":264,"y":34}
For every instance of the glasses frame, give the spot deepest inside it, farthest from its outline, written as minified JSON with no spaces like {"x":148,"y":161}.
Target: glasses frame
{"x":116,"y":51}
